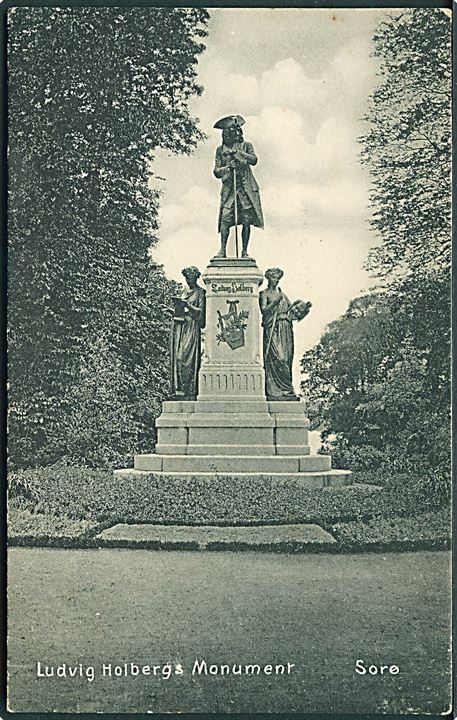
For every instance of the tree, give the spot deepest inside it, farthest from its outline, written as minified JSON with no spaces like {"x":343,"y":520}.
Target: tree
{"x":379,"y":380}
{"x":353,"y":353}
{"x":374,"y":389}
{"x":407,"y":148}
{"x":92,"y":93}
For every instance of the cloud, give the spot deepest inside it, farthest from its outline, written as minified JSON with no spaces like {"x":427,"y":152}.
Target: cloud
{"x":285,"y":204}
{"x":287,"y":85}
{"x":340,"y":198}
{"x":187,"y":245}
{"x":352,"y":71}
{"x":279,"y":137}
{"x":197,"y":202}
{"x":172,"y":216}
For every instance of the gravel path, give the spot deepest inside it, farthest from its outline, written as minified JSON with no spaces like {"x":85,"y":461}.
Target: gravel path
{"x":320,"y":613}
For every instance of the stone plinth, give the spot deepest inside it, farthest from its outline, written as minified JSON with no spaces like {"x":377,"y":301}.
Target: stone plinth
{"x":234,"y":427}
{"x":288,"y":538}
{"x":268,"y":479}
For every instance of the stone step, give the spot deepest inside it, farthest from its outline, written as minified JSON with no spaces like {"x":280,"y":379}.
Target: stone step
{"x":233,"y":463}
{"x":258,"y":450}
{"x":279,"y":538}
{"x":307,"y":480}
{"x":230,"y":420}
{"x":235,"y":406}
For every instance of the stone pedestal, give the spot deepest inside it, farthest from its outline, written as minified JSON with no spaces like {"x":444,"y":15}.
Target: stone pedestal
{"x":231,"y":428}
{"x":232,"y":368}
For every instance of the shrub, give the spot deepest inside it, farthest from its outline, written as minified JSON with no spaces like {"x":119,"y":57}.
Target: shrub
{"x":423,"y":479}
{"x":426,"y":529}
{"x":82,"y":493}
{"x":354,"y":457}
{"x":423,"y":489}
{"x":55,"y":489}
{"x":23,"y":489}
{"x":35,"y":527}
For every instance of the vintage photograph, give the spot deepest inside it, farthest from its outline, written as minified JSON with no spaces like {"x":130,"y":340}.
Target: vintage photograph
{"x":229,"y":254}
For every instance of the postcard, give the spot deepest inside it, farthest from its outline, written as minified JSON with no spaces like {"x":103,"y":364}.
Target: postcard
{"x":229,"y":238}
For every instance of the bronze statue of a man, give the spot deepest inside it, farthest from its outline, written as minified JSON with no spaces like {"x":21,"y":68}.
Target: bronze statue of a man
{"x":240,"y":196}
{"x":185,"y":339}
{"x":278,"y":336}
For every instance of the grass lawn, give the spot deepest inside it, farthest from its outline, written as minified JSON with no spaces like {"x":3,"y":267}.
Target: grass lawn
{"x":320,"y":612}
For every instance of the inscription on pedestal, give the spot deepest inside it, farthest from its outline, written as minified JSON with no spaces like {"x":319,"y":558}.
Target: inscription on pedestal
{"x":239,"y":383}
{"x":231,"y":288}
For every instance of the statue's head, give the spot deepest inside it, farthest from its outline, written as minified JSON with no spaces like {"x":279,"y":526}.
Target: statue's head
{"x":232,"y":134}
{"x":274,"y":274}
{"x":191,"y":273}
{"x":231,"y":128}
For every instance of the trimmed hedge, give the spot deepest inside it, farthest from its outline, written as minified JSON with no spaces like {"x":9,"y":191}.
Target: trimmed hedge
{"x":430,"y":530}
{"x":99,"y":496}
{"x":67,"y":506}
{"x":25,"y":526}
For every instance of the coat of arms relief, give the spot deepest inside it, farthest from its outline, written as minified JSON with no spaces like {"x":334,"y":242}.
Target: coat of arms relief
{"x":232,"y":325}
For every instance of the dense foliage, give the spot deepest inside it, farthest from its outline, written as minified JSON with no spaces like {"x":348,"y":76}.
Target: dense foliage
{"x":88,"y":494}
{"x":430,"y":530}
{"x":30,"y":528}
{"x":408,"y":145}
{"x":378,"y":383}
{"x":92,"y":93}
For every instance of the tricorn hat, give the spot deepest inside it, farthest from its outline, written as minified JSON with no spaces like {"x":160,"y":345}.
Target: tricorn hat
{"x":229,"y":121}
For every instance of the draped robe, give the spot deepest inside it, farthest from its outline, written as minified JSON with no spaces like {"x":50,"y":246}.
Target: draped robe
{"x":185,"y":345}
{"x":278,"y":349}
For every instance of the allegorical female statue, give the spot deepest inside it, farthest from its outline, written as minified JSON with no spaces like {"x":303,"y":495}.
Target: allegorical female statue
{"x":278,"y":337}
{"x":240,"y":196}
{"x":185,"y":350}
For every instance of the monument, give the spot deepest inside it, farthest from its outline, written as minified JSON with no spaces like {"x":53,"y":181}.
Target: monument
{"x":233,"y":410}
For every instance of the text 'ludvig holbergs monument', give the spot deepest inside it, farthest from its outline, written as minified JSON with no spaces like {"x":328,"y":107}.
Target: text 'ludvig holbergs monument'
{"x":232,"y":409}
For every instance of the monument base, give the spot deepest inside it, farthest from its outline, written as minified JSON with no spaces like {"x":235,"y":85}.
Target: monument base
{"x":236,"y":439}
{"x":232,"y":426}
{"x":300,"y":480}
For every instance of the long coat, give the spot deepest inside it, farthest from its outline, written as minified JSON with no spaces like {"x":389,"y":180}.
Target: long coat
{"x":244,"y":176}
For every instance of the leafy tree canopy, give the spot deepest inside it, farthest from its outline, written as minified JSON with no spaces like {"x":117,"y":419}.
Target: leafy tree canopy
{"x":92,"y":93}
{"x":407,"y":146}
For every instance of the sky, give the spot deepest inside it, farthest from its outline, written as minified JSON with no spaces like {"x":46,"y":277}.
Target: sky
{"x":301,"y":78}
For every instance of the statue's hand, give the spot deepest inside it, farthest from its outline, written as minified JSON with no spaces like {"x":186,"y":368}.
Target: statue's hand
{"x":240,"y":156}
